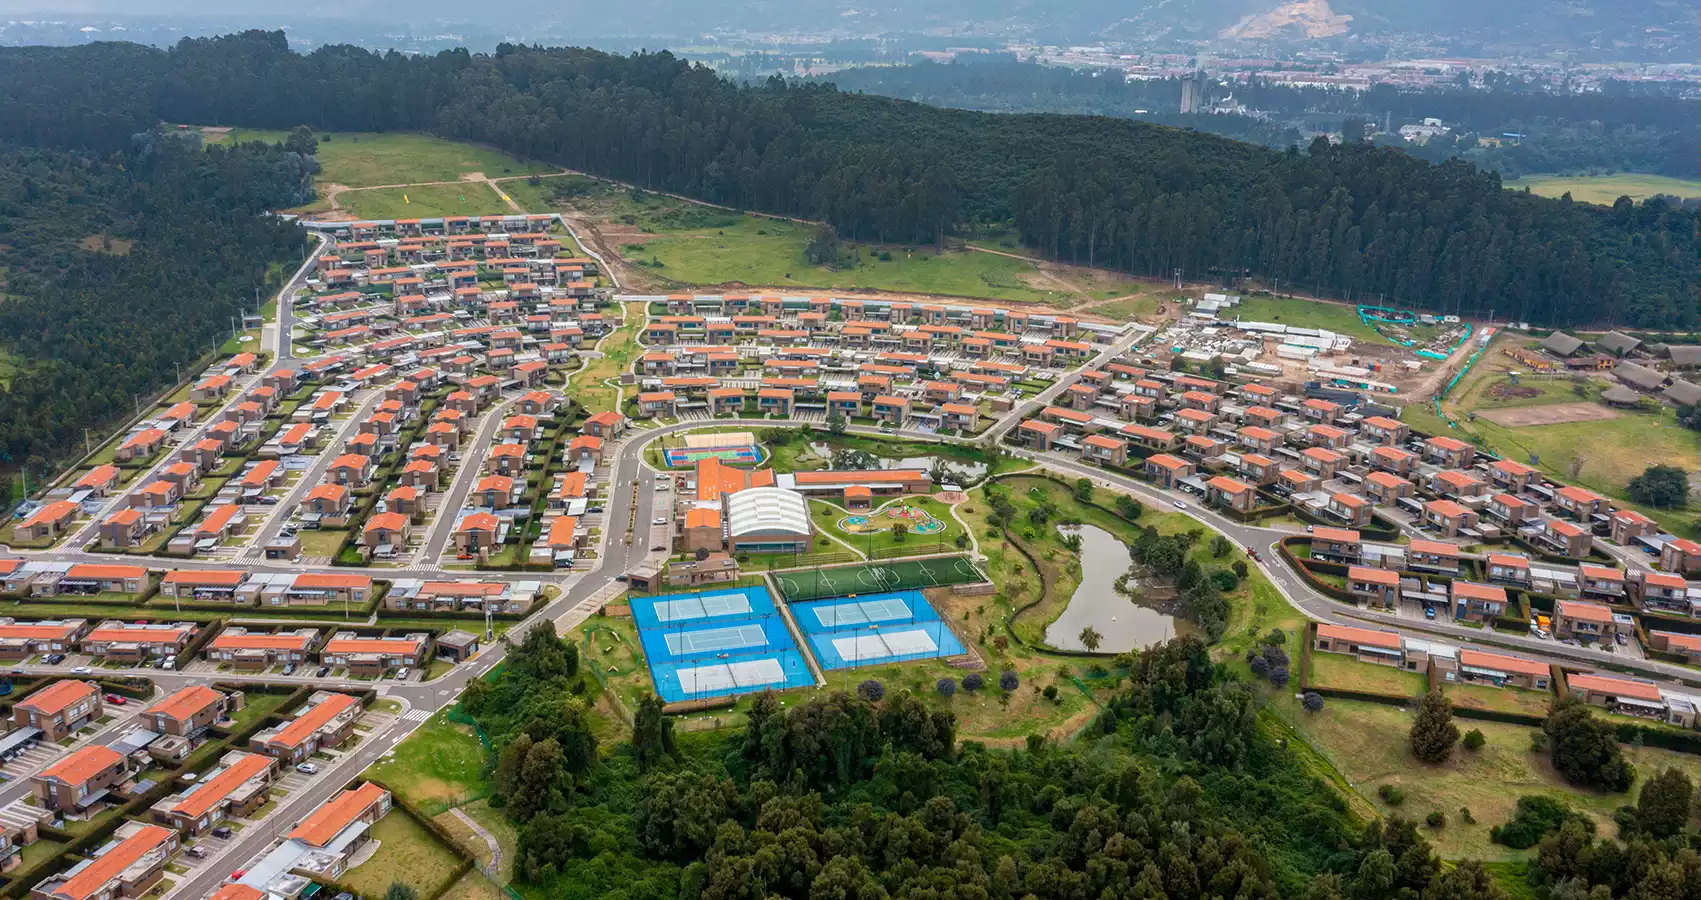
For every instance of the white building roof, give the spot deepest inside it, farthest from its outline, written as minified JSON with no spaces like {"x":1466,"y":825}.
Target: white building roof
{"x":767,"y":510}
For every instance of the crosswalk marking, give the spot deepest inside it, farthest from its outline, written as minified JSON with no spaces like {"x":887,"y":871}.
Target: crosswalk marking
{"x":416,"y":715}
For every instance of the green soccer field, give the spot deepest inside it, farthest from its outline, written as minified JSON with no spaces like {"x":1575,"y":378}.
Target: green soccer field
{"x":901,"y":575}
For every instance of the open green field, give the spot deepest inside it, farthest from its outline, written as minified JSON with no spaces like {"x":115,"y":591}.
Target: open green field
{"x":425,"y":200}
{"x":758,"y":251}
{"x":440,"y":764}
{"x":407,"y":853}
{"x":1340,"y":671}
{"x":675,"y":242}
{"x":1606,"y":189}
{"x":1337,"y":317}
{"x":367,"y":159}
{"x":894,"y":575}
{"x":1368,"y":743}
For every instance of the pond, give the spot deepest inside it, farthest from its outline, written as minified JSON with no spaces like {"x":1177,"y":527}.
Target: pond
{"x":1121,"y":624}
{"x":971,"y":470}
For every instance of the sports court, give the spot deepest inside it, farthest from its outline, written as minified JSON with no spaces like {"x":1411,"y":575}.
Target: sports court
{"x":874,"y":629}
{"x":681,"y":457}
{"x":734,"y":447}
{"x":714,"y":643}
{"x":897,"y":575}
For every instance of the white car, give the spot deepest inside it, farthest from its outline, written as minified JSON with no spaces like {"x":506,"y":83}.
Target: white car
{"x":660,"y":522}
{"x":81,"y":670}
{"x":1180,"y":505}
{"x":307,"y":769}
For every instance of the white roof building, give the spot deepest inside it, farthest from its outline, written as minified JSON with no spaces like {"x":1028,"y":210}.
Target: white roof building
{"x":765,"y":512}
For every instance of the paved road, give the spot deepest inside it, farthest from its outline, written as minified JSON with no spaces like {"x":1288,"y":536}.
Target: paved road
{"x":472,"y":463}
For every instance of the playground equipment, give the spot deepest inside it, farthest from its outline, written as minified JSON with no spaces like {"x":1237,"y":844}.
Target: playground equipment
{"x":917,"y":520}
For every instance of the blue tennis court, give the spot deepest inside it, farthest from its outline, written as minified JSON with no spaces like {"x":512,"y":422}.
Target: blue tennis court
{"x":680,"y":457}
{"x":873,"y":629}
{"x":714,"y":643}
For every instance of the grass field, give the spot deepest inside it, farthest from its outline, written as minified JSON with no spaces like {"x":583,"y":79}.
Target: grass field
{"x":689,"y":244}
{"x":1507,"y":699}
{"x":366,"y":159}
{"x":1368,"y":743}
{"x":407,"y":853}
{"x":618,"y":350}
{"x":1606,"y":189}
{"x":1339,"y":671}
{"x":1337,"y":317}
{"x":880,"y":576}
{"x":470,"y":199}
{"x":440,"y":764}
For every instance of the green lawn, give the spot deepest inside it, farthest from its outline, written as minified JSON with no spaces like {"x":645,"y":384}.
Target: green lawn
{"x":1606,"y":189}
{"x":471,"y":199}
{"x":1607,"y":453}
{"x":407,"y":853}
{"x":1368,"y":743}
{"x":365,"y":159}
{"x":1341,"y":318}
{"x":256,"y":705}
{"x":1507,"y":699}
{"x":440,"y":764}
{"x":759,"y":251}
{"x":1340,"y":671}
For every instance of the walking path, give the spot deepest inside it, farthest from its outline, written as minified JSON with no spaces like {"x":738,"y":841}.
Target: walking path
{"x":494,"y":867}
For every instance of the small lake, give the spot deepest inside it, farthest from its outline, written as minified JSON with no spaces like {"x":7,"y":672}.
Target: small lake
{"x":1121,"y":624}
{"x":969,"y":469}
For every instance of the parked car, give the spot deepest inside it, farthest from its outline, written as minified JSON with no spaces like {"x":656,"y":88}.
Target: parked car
{"x":289,"y":669}
{"x":54,"y":659}
{"x":622,"y":578}
{"x":659,"y":522}
{"x":307,"y":769}
{"x":197,"y":852}
{"x":323,"y":671}
{"x":657,"y":549}
{"x":222,"y":832}
{"x":403,"y":673}
{"x":1621,"y":640}
{"x":1429,"y":612}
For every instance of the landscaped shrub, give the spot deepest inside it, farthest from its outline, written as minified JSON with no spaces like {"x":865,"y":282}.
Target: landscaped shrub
{"x":1312,"y":701}
{"x":1008,"y":681}
{"x":972,"y":682}
{"x":1391,"y":795}
{"x":1474,"y":739}
{"x":1537,"y":816}
{"x":1436,"y":819}
{"x":945,"y":686}
{"x":871,"y":690}
{"x":1050,"y":692}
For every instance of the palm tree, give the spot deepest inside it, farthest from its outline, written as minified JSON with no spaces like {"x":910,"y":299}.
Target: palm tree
{"x":1090,"y":639}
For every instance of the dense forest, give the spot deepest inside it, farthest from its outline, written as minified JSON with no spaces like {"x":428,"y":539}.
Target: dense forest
{"x":1347,"y":221}
{"x":119,"y":266}
{"x":1624,"y":127}
{"x":1175,"y":791}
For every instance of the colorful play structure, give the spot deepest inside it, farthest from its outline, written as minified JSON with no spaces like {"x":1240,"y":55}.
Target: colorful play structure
{"x":916,"y":519}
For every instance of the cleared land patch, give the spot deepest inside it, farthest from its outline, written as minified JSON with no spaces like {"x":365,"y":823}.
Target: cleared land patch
{"x":1606,"y":189}
{"x":1552,"y":414}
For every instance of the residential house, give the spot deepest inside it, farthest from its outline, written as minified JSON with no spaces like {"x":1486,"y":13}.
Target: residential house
{"x":1166,"y":470}
{"x":187,"y":712}
{"x":1448,"y":517}
{"x":257,"y":651}
{"x":1588,"y":621}
{"x":239,"y":787}
{"x":1377,"y":587}
{"x":1231,"y":493}
{"x":58,"y":709}
{"x":327,"y":721}
{"x":80,"y":779}
{"x":1432,"y":556}
{"x":1501,"y":670}
{"x":1363,"y":644}
{"x":1336,"y":544}
{"x":1478,"y":602}
{"x":363,"y":655}
{"x":132,"y":865}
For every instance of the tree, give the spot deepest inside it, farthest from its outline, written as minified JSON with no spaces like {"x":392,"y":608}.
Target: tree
{"x":1312,"y":701}
{"x":1220,"y":546}
{"x":302,"y":141}
{"x":1466,"y":881}
{"x":1007,"y":680}
{"x":399,"y":891}
{"x":871,"y":690}
{"x":1474,"y":739}
{"x":946,"y":687}
{"x":1663,"y":486}
{"x":1665,"y":805}
{"x":1084,"y":489}
{"x":836,"y":424}
{"x":1585,"y":749}
{"x":823,"y":248}
{"x":900,"y":531}
{"x":1090,"y":639}
{"x":652,"y":733}
{"x":972,"y":682}
{"x":1128,"y":507}
{"x":1433,"y":733}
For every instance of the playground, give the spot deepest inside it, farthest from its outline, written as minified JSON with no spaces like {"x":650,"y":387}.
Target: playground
{"x":845,"y":581}
{"x":917,"y":520}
